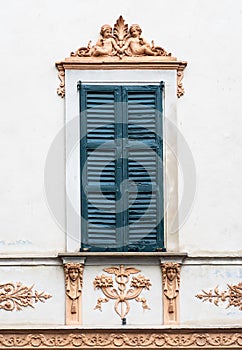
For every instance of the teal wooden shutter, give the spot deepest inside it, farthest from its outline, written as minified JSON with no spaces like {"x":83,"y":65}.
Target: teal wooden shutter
{"x":100,"y":168}
{"x":143,"y":151}
{"x":121,"y":168}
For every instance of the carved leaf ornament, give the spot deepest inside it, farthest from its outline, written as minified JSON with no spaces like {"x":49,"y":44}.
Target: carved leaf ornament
{"x":120,"y":30}
{"x":121,"y":295}
{"x":233,"y":296}
{"x":15,"y":296}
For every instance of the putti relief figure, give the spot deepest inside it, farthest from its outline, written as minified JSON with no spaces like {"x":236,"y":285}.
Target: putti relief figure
{"x":106,"y":45}
{"x":135,"y":44}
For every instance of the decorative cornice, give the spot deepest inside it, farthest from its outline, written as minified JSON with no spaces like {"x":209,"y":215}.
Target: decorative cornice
{"x":120,"y":48}
{"x":233,"y":296}
{"x":122,"y":339}
{"x":16,"y":296}
{"x":154,"y":63}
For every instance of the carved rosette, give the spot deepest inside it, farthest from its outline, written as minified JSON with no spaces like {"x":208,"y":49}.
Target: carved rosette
{"x":171,"y":286}
{"x":232,"y":296}
{"x":73,"y":286}
{"x":120,"y":47}
{"x":121,"y":295}
{"x":16,"y":296}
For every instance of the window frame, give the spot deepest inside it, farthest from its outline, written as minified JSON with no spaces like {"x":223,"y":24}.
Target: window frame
{"x":119,"y":77}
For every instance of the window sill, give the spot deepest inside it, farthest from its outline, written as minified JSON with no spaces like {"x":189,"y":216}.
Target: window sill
{"x":124,"y":254}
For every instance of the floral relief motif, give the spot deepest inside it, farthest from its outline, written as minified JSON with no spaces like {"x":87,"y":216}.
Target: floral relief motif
{"x":120,"y":41}
{"x":15,"y":296}
{"x":121,"y":295}
{"x":233,"y":296}
{"x":140,"y":281}
{"x":103,"y":281}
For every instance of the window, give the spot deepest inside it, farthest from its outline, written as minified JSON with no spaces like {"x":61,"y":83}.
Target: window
{"x":121,"y":167}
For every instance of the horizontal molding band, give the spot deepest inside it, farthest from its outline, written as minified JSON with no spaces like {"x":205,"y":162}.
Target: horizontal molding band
{"x":153,"y":258}
{"x":128,"y":63}
{"x":122,"y":338}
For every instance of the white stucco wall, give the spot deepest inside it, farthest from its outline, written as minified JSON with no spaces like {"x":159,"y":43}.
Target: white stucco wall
{"x":36,"y":34}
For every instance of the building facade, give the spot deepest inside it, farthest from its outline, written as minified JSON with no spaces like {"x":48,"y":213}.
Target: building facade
{"x":120,"y":193}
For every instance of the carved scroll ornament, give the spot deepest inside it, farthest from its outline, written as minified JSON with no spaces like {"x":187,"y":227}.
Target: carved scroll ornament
{"x":16,"y":296}
{"x":232,"y":296}
{"x":73,"y":284}
{"x":171,"y":285}
{"x":122,"y":339}
{"x":121,"y":47}
{"x":121,"y":295}
{"x":61,"y":88}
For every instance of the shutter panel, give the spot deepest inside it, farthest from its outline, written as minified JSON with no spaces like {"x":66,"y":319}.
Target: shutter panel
{"x":100,"y":174}
{"x":144,"y":168}
{"x":121,"y":168}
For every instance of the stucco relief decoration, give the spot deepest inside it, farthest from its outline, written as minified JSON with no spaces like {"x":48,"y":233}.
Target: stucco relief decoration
{"x":232,"y":296}
{"x":121,"y":294}
{"x":85,"y":339}
{"x":73,"y":284}
{"x":120,"y":41}
{"x":61,"y":89}
{"x":16,"y":296}
{"x":120,"y":47}
{"x":171,"y":285}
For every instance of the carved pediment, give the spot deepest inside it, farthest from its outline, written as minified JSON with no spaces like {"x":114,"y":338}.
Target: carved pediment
{"x":121,"y":47}
{"x":120,"y":41}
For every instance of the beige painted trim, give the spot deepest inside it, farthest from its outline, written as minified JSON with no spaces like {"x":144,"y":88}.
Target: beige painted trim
{"x":122,"y":338}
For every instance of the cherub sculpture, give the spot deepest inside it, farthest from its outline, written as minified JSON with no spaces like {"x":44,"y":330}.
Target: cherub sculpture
{"x":135,"y":45}
{"x":106,"y":45}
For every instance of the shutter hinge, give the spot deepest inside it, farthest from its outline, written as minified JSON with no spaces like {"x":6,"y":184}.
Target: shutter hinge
{"x":162,"y":85}
{"x":79,"y":84}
